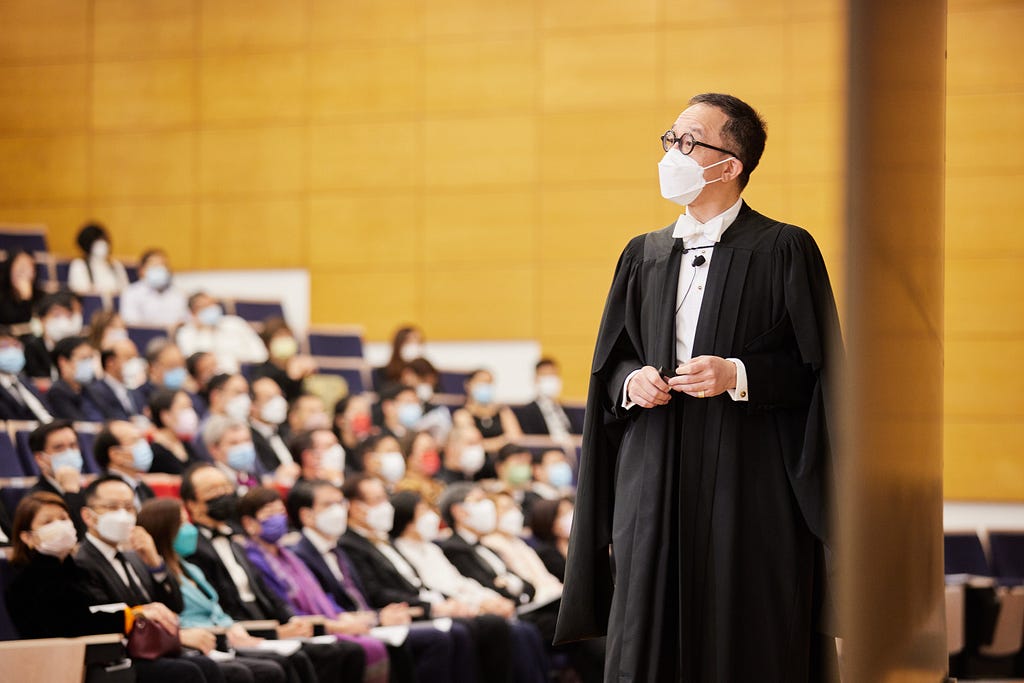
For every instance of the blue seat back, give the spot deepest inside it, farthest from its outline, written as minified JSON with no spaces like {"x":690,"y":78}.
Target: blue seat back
{"x":258,"y":311}
{"x":1007,"y":549}
{"x":10,"y":463}
{"x":335,"y":345}
{"x":452,"y":382}
{"x":142,"y":335}
{"x":33,"y":240}
{"x":964,"y":555}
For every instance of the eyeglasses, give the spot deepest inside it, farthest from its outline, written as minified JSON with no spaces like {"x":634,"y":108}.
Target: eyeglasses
{"x":687,"y":142}
{"x":127,"y":507}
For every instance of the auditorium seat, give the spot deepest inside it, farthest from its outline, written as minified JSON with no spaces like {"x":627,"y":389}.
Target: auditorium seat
{"x":256,"y":311}
{"x":964,"y":554}
{"x":10,"y":463}
{"x":31,"y":238}
{"x":91,"y":304}
{"x":1007,"y":552}
{"x":353,"y":371}
{"x":452,"y":382}
{"x":131,"y":270}
{"x":575,"y":411}
{"x":336,"y":342}
{"x":87,"y":432}
{"x":21,"y":430}
{"x":142,"y":335}
{"x":61,"y":268}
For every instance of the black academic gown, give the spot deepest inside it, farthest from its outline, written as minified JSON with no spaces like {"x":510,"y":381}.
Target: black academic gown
{"x":715,"y":511}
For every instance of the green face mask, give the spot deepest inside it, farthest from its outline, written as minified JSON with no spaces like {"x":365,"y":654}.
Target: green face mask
{"x":518,"y":474}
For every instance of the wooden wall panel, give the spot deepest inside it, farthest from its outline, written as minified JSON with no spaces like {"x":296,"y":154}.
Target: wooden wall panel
{"x":143,"y":94}
{"x":154,"y":28}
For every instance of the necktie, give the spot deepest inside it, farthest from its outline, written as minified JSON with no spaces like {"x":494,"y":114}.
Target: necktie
{"x":25,"y":397}
{"x":348,"y":583}
{"x":139,"y":595}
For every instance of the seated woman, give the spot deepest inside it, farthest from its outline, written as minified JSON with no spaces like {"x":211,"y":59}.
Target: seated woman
{"x":551,"y":521}
{"x":95,"y":272}
{"x":173,"y":535}
{"x":496,"y":422}
{"x":19,"y":290}
{"x":177,"y":425}
{"x":406,"y":345}
{"x":265,"y":521}
{"x":422,"y":463}
{"x":284,"y":364}
{"x":516,"y":553}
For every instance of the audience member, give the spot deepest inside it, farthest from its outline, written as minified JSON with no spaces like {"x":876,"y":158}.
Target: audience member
{"x":353,"y":424}
{"x":514,"y":466}
{"x":212,"y":502}
{"x":121,"y":450}
{"x":422,"y":463}
{"x":60,"y":314}
{"x":153,"y":300}
{"x":174,"y":537}
{"x":95,"y":271}
{"x":116,"y":394}
{"x":19,"y":290}
{"x":230,"y":339}
{"x":228,"y":395}
{"x":284,"y":364}
{"x":19,"y":398}
{"x":166,"y":367}
{"x":177,"y":425}
{"x":401,"y":410}
{"x":517,"y":555}
{"x":423,"y":377}
{"x":229,"y":444}
{"x":201,"y":367}
{"x":105,"y":328}
{"x":54,"y":447}
{"x":550,"y":522}
{"x":406,"y":345}
{"x":267,"y":413}
{"x":305,"y":413}
{"x":545,"y":414}
{"x":47,"y":597}
{"x":464,"y":456}
{"x":76,"y":367}
{"x":382,"y":457}
{"x":319,"y":455}
{"x":496,"y":422}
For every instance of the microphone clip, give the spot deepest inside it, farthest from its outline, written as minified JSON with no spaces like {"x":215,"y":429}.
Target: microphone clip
{"x":698,"y":260}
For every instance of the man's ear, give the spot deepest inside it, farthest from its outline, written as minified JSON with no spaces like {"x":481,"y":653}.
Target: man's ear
{"x":88,"y":515}
{"x":733,"y":170}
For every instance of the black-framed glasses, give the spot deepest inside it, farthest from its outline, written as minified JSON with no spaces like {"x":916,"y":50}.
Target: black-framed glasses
{"x":687,"y":142}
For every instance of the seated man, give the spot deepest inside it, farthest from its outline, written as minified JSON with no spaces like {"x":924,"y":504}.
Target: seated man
{"x":514,"y":466}
{"x":61,"y":316}
{"x":269,"y":410}
{"x":400,"y":410}
{"x":116,"y":394}
{"x":230,"y":339}
{"x":545,"y":414}
{"x":305,"y":413}
{"x":229,"y":444}
{"x":121,"y":450}
{"x":166,"y":368}
{"x":319,"y":456}
{"x":75,"y":360}
{"x":19,"y":399}
{"x":464,"y":455}
{"x":54,"y":447}
{"x":210,"y":498}
{"x":153,"y":299}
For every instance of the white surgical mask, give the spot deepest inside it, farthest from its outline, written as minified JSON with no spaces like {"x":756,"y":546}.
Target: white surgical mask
{"x":62,"y":327}
{"x":100,"y":250}
{"x":186,"y":424}
{"x":116,"y":525}
{"x":238,"y":407}
{"x":333,"y":459}
{"x":392,"y":466}
{"x":511,"y":523}
{"x":133,"y":373}
{"x":274,"y":411}
{"x":472,"y":458}
{"x":483,"y":516}
{"x":682,"y":178}
{"x":56,"y":538}
{"x":332,"y":521}
{"x":411,"y":352}
{"x":381,"y":517}
{"x":428,"y":526}
{"x":424,"y":391}
{"x":549,"y":386}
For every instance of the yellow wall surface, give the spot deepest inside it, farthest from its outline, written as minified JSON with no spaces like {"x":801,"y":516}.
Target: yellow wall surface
{"x":476,"y":167}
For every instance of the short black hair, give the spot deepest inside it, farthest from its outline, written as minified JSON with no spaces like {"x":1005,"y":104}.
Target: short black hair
{"x":89,"y":494}
{"x":745,"y":131}
{"x":301,"y":496}
{"x":510,"y":449}
{"x":159,"y":401}
{"x":89,"y":234}
{"x":404,"y":503}
{"x":301,"y":442}
{"x":188,"y":488}
{"x":217,"y":382}
{"x":351,"y":488}
{"x":106,"y":355}
{"x":256,"y":498}
{"x":393,"y":390}
{"x":192,"y":362}
{"x":545,"y":362}
{"x":455,"y":494}
{"x":64,"y":298}
{"x":66,"y":346}
{"x":150,"y":253}
{"x":38,"y":437}
{"x":105,"y":440}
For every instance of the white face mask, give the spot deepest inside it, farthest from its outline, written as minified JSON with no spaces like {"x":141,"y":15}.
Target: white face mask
{"x":472,"y":458}
{"x":238,"y":407}
{"x":116,"y":526}
{"x":549,"y":386}
{"x":62,"y":327}
{"x":332,"y":521}
{"x":511,"y":523}
{"x":563,"y":525}
{"x":381,"y":517}
{"x":682,"y":178}
{"x":411,"y":352}
{"x":133,"y":373}
{"x":392,"y":466}
{"x":333,"y":459}
{"x":483,"y":516}
{"x":56,"y":538}
{"x":274,"y":411}
{"x":428,"y":526}
{"x":100,"y":250}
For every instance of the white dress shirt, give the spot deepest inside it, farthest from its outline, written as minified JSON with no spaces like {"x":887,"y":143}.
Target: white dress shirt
{"x":439,"y":574}
{"x":232,"y":342}
{"x":222,"y":546}
{"x":108,"y":277}
{"x":690,"y":291}
{"x":143,"y":305}
{"x":13,"y":385}
{"x":513,"y":583}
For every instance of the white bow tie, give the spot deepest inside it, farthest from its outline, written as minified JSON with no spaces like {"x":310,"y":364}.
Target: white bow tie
{"x":695,"y":233}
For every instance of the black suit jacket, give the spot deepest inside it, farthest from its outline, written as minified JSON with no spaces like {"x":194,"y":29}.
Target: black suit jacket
{"x":264,"y":451}
{"x":103,"y":398}
{"x":69,"y":405}
{"x":266,"y":606}
{"x":308,"y":553}
{"x":384,"y":584}
{"x":74,"y":501}
{"x":12,"y":407}
{"x":531,"y":419}
{"x":38,"y":361}
{"x":463,"y":555}
{"x":105,"y":585}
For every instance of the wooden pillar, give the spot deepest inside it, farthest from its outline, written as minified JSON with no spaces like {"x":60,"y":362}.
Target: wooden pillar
{"x":890,"y":470}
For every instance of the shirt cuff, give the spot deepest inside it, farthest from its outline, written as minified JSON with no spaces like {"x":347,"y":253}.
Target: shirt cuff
{"x":626,"y":403}
{"x":740,"y":392}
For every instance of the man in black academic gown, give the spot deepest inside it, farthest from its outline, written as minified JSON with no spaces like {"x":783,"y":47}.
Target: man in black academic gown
{"x":700,"y":535}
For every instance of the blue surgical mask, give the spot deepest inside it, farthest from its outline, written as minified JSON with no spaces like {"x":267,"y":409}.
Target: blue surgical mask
{"x":242,"y":457}
{"x":142,"y":455}
{"x":85,"y":371}
{"x":158,"y":277}
{"x":409,"y":414}
{"x":12,"y":359}
{"x":175,"y":378}
{"x":560,"y":474}
{"x":72,"y":458}
{"x":187,"y":539}
{"x":210,"y":315}
{"x":483,"y":393}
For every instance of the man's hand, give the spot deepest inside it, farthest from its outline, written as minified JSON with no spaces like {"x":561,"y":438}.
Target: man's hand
{"x":503,"y":607}
{"x":349,"y":624}
{"x":704,"y":377}
{"x":69,"y":479}
{"x":160,"y":615}
{"x":295,"y":629}
{"x":142,"y":543}
{"x":395,"y":614}
{"x":238,"y":637}
{"x":197,"y":639}
{"x":647,"y":388}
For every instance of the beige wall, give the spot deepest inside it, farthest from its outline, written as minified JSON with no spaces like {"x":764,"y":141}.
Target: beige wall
{"x":477,"y":166}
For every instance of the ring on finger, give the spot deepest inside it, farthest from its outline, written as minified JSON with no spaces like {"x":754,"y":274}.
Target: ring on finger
{"x":700,"y":394}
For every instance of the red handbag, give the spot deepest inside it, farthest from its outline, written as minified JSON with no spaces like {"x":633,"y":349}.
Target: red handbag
{"x":149,"y":640}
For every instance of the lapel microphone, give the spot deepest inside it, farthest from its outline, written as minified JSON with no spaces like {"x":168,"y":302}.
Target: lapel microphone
{"x":698,"y":260}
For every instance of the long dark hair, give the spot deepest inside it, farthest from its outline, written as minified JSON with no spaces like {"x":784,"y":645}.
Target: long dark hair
{"x":161,"y":517}
{"x":6,"y":288}
{"x":26,"y":511}
{"x":393,"y":370}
